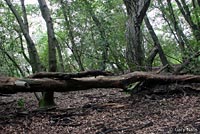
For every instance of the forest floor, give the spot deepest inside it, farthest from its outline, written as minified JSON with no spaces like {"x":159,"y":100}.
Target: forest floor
{"x":101,"y":111}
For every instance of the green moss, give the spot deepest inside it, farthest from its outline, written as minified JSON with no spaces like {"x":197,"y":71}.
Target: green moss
{"x":47,"y":100}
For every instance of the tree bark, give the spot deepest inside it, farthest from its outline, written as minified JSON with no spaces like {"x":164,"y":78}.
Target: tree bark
{"x":150,"y":58}
{"x":13,"y":85}
{"x":48,"y":97}
{"x":176,"y":27}
{"x":66,"y":76}
{"x":60,"y":57}
{"x":25,"y":20}
{"x":22,"y":49}
{"x":52,"y":41}
{"x":136,"y":11}
{"x":156,"y":41}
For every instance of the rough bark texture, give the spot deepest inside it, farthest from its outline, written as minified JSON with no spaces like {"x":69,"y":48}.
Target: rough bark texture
{"x":136,"y":11}
{"x":13,"y":85}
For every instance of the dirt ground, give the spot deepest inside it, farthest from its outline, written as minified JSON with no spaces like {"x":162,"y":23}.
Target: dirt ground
{"x":101,"y":111}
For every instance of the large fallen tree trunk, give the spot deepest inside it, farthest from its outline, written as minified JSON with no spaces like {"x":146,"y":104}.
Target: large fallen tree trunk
{"x":60,"y":82}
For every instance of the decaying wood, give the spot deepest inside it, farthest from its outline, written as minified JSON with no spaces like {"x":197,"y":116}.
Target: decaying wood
{"x":13,"y":85}
{"x":65,"y":76}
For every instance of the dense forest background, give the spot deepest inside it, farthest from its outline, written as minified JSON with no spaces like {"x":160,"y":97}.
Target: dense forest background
{"x":112,"y":35}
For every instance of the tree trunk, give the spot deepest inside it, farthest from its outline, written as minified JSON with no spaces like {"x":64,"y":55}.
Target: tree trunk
{"x":178,"y":34}
{"x":24,"y":15}
{"x":48,"y":97}
{"x":67,"y":16}
{"x":150,"y":58}
{"x":156,"y":42}
{"x":60,"y":84}
{"x":22,"y":49}
{"x":187,"y":15}
{"x":33,"y":54}
{"x":183,"y":41}
{"x":136,"y":11}
{"x":60,"y":57}
{"x":176,"y":26}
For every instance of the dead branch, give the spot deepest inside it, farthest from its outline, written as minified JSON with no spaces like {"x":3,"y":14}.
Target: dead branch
{"x":65,"y":76}
{"x":13,"y":85}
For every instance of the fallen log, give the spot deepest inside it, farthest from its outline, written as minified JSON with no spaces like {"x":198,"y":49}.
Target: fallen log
{"x":65,"y":76}
{"x":13,"y":85}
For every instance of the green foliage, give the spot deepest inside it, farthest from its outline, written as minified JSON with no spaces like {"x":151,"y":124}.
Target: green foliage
{"x":88,"y":39}
{"x":21,"y":103}
{"x":42,"y":46}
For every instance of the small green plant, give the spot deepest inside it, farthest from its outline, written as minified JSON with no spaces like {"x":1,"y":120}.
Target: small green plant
{"x":131,"y":87}
{"x":21,"y":103}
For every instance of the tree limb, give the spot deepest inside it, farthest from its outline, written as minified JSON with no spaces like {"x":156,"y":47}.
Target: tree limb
{"x":65,"y":76}
{"x":13,"y":85}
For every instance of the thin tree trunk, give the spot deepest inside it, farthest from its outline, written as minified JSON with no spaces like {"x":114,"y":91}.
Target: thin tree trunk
{"x":156,"y":42}
{"x":186,"y":14}
{"x":68,"y":22}
{"x":22,"y":48}
{"x":33,"y":54}
{"x":52,"y":41}
{"x":24,"y":15}
{"x":60,"y":57}
{"x":169,"y":25}
{"x":151,"y":58}
{"x":176,"y":27}
{"x":178,"y":34}
{"x":48,"y":97}
{"x":13,"y":61}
